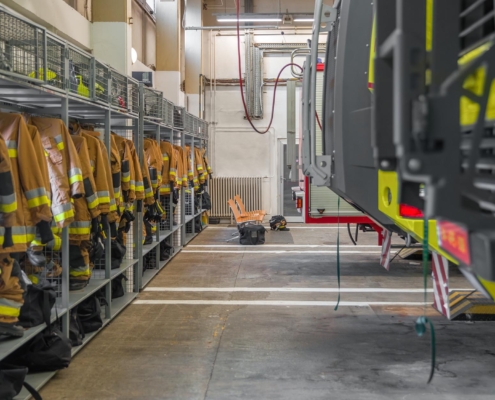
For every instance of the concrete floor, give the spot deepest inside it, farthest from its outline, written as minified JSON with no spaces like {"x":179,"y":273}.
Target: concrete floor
{"x":178,"y":351}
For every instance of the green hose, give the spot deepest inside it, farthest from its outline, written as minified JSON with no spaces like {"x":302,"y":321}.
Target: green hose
{"x":421,"y":322}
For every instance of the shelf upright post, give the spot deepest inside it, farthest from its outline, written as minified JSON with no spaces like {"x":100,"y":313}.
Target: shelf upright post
{"x":108,"y":240}
{"x":193,"y":194}
{"x":45,"y":57}
{"x":200,"y":146}
{"x":170,"y":217}
{"x":157,"y":198}
{"x":138,"y":223}
{"x":65,"y":244}
{"x":183,"y":198}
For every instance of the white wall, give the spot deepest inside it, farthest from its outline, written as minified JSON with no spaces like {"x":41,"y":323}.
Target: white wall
{"x":236,"y":150}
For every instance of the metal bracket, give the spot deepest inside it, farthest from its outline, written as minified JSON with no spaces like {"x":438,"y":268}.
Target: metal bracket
{"x":328,"y":18}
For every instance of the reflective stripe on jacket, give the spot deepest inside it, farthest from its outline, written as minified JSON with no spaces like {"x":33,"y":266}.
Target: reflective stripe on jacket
{"x":127,"y":168}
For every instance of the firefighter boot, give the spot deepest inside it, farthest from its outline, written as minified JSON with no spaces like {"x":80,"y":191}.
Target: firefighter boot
{"x":149,"y":233}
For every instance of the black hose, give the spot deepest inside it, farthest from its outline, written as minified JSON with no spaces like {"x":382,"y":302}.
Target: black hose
{"x":350,"y":234}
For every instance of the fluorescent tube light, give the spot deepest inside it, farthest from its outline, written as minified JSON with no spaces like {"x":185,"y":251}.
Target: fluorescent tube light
{"x":250,"y":19}
{"x":304,"y":20}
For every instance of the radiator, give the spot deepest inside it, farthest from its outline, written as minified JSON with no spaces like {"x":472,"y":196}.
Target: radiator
{"x":223,"y":189}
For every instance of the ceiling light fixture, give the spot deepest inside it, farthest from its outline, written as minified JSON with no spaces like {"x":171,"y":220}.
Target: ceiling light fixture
{"x":286,"y":19}
{"x":249,"y":19}
{"x":134,"y":55}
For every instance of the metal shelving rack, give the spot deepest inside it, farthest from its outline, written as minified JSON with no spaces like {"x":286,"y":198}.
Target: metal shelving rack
{"x":42,"y":74}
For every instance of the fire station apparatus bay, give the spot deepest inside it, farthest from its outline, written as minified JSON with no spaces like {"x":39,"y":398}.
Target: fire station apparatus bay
{"x":228,"y":322}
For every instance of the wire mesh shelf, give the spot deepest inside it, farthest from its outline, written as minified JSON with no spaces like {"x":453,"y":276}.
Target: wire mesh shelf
{"x":165,"y":224}
{"x":51,"y":272}
{"x":80,"y":71}
{"x":119,"y":92}
{"x":153,"y":106}
{"x":55,"y":61}
{"x":168,"y":113}
{"x":21,"y":47}
{"x":189,"y":203}
{"x":133,"y":95}
{"x":149,"y":261}
{"x":195,"y":130}
{"x":179,"y":115}
{"x":97,"y":265}
{"x":203,"y":129}
{"x":102,"y":76}
{"x":189,"y":227}
{"x":188,"y":122}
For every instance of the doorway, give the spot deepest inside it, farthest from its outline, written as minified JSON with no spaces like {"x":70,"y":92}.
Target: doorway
{"x":289,"y":179}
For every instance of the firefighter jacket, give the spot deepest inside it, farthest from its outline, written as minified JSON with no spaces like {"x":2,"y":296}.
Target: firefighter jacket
{"x":190,"y":169}
{"x":126,"y":169}
{"x":116,"y":166}
{"x":85,"y":208}
{"x":206,"y":163}
{"x":199,"y":164}
{"x":169,"y":172}
{"x":40,"y":155}
{"x":192,"y":173}
{"x":154,"y":160}
{"x":64,"y":168}
{"x":183,"y":160}
{"x":99,"y":171}
{"x":33,"y":204}
{"x":138,"y":173}
{"x":42,"y":164}
{"x":180,"y":167}
{"x":8,"y":203}
{"x":149,"y":198}
{"x":109,"y":165}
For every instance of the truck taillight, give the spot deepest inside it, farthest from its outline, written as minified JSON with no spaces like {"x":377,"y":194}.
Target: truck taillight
{"x":299,"y":202}
{"x":408,"y":211}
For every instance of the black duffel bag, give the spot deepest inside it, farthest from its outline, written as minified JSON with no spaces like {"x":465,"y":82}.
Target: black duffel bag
{"x":252,"y":234}
{"x":38,"y":303}
{"x":49,"y":350}
{"x":89,"y":312}
{"x":206,"y":201}
{"x":12,"y":381}
{"x":76,"y":331}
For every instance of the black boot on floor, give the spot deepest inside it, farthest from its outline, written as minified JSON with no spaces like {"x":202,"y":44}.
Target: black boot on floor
{"x":11,"y":330}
